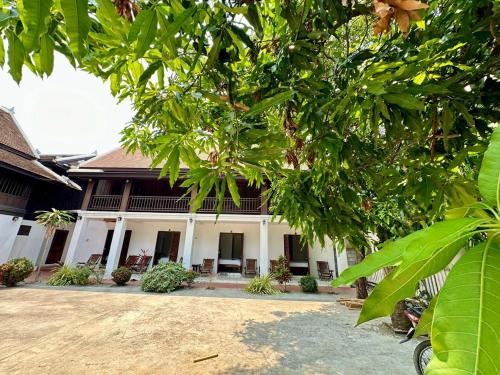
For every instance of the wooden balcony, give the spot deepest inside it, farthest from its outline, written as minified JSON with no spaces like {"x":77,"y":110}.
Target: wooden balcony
{"x":153,"y":203}
{"x":104,"y":203}
{"x":249,"y":206}
{"x":146,"y":203}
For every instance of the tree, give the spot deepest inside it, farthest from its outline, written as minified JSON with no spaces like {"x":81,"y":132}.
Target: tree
{"x":462,"y":319}
{"x":51,"y":220}
{"x":282,"y":273}
{"x":344,"y":122}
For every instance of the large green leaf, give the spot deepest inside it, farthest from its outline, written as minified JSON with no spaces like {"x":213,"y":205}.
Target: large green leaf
{"x":47,"y":54}
{"x":33,"y":14}
{"x":233,"y":189}
{"x":16,"y":57}
{"x":270,"y":102}
{"x":425,"y":322}
{"x":2,"y":52}
{"x":466,"y":324}
{"x":395,"y":287}
{"x":147,"y":31}
{"x":77,"y":24}
{"x":404,"y":100}
{"x":489,"y":175}
{"x":437,"y":236}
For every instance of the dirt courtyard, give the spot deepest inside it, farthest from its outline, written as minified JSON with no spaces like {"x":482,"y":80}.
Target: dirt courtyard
{"x":79,"y":332}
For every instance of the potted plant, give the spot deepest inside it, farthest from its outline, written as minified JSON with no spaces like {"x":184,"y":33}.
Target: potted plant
{"x":282,"y":274}
{"x":121,"y":276}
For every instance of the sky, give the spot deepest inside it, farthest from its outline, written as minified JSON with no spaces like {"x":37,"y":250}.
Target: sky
{"x":68,"y":112}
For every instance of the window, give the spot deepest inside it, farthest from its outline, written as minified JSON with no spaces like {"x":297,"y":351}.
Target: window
{"x":297,"y":251}
{"x":24,"y":230}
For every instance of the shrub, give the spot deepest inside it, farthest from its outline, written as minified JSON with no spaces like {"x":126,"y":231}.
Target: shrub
{"x":164,"y":278}
{"x":282,"y":274}
{"x":308,"y":284}
{"x":121,"y":275}
{"x":66,"y":275}
{"x":190,"y":276}
{"x":261,"y":285}
{"x":15,"y":270}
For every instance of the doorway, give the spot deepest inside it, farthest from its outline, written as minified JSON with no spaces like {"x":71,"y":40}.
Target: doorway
{"x":167,"y":247}
{"x":297,"y":254}
{"x":107,"y":246}
{"x":230,"y":252}
{"x":57,"y":246}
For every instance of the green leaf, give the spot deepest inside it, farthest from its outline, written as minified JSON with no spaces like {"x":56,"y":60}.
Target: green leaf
{"x":270,"y":102}
{"x":47,"y":54}
{"x":16,"y":57}
{"x":396,"y":287}
{"x":77,"y":24}
{"x":147,"y":31}
{"x":404,"y":100}
{"x":233,"y":188}
{"x":33,"y":14}
{"x":466,"y":324}
{"x":2,"y":52}
{"x":252,"y":15}
{"x":150,"y":70}
{"x":425,"y":322}
{"x":112,"y":23}
{"x":173,"y":28}
{"x":213,"y":55}
{"x":489,"y":174}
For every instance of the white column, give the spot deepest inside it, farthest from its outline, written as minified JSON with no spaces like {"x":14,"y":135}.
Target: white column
{"x":188,"y":242}
{"x":78,"y":232}
{"x":264,"y":247}
{"x":9,"y":226}
{"x":116,"y":246}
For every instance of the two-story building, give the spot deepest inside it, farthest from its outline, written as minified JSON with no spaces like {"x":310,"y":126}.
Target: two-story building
{"x":126,"y":210}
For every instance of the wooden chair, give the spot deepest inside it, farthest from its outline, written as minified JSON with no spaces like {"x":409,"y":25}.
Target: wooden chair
{"x":131,"y":261}
{"x":324,"y":271}
{"x":251,"y":267}
{"x":207,"y":267}
{"x":142,"y":264}
{"x":93,"y":261}
{"x":274,"y":265}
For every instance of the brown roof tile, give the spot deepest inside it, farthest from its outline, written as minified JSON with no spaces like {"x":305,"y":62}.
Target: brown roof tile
{"x":118,"y":158}
{"x":31,"y":166}
{"x":11,"y":135}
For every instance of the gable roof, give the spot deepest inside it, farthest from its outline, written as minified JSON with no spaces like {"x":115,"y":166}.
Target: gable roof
{"x":12,"y":135}
{"x":17,"y":153}
{"x":117,"y":159}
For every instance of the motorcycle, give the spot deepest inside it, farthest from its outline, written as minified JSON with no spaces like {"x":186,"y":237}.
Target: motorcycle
{"x":423,"y":351}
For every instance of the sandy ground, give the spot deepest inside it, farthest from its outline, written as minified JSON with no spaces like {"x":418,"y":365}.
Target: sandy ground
{"x":80,"y":332}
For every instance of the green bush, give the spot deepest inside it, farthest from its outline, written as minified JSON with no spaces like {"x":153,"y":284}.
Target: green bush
{"x":121,"y":275}
{"x":308,"y":284}
{"x":15,"y":270}
{"x":261,"y":285}
{"x":190,"y":276}
{"x":70,"y":276}
{"x":164,"y":278}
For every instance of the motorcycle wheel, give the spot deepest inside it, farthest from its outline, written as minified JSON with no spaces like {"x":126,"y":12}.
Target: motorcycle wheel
{"x":422,"y":356}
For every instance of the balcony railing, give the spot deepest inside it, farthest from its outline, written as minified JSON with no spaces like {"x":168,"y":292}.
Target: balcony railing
{"x":105,"y":202}
{"x":146,"y":203}
{"x":149,"y":203}
{"x":247,"y":206}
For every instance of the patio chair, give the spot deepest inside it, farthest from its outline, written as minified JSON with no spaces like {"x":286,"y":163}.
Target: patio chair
{"x":93,"y":261}
{"x":142,"y":264}
{"x":274,"y":265}
{"x":131,"y":261}
{"x":324,"y":271}
{"x":207,"y":267}
{"x":251,"y":267}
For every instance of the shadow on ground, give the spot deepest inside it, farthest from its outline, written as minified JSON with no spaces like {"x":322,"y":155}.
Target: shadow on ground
{"x":325,"y":342}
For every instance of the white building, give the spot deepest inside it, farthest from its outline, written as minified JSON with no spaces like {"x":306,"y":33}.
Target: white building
{"x":127,"y":211}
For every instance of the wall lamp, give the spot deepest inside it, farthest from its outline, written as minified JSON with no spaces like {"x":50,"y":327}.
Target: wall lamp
{"x":119,"y":218}
{"x":263,"y":222}
{"x":190,"y":219}
{"x":79,"y":217}
{"x":15,"y":218}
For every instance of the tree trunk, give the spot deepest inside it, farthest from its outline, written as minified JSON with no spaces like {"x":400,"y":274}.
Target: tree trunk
{"x":361,"y":283}
{"x":42,"y":255}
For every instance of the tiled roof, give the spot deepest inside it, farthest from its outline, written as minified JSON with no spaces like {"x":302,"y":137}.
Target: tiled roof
{"x":12,"y":136}
{"x":118,"y":158}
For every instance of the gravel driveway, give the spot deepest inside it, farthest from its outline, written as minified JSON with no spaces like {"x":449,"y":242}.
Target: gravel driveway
{"x":47,"y":331}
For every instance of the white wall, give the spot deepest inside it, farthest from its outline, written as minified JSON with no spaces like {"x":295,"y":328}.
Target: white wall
{"x":92,"y":239}
{"x":8,"y":233}
{"x":31,"y":245}
{"x":206,"y":240}
{"x":144,"y":235}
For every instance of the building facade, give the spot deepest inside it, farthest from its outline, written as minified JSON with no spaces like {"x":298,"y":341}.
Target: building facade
{"x":126,"y":210}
